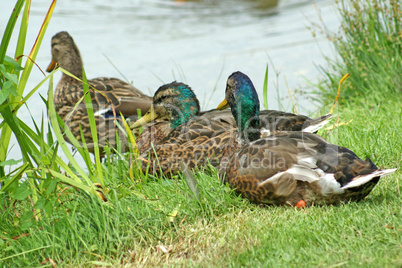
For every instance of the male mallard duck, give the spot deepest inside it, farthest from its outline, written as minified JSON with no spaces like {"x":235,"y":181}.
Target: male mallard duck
{"x":111,"y":96}
{"x":293,"y":168}
{"x":274,"y":121}
{"x":197,"y":137}
{"x":186,"y":134}
{"x":174,"y":104}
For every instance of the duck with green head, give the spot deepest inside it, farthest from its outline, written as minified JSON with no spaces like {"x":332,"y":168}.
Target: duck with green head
{"x":110,"y":96}
{"x":293,"y":168}
{"x":175,"y":105}
{"x":273,"y":121}
{"x":182,"y":132}
{"x":182,"y":127}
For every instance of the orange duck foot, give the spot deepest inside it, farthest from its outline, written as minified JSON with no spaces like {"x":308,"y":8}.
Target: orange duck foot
{"x":301,"y":204}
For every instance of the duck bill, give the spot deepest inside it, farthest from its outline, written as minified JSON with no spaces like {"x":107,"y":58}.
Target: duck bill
{"x":148,"y":117}
{"x":223,"y":105}
{"x":51,"y":66}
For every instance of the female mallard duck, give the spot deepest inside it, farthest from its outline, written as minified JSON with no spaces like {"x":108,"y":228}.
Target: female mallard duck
{"x":293,"y":168}
{"x":110,"y":96}
{"x":197,"y":137}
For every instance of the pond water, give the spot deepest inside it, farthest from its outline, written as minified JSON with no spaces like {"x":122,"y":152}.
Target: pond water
{"x":197,"y":42}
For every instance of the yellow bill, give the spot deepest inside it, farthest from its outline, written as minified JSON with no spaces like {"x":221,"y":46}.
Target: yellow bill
{"x":148,"y":117}
{"x":51,"y":66}
{"x":223,"y":105}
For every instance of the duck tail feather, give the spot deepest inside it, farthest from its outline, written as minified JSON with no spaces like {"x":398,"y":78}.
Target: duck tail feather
{"x":363,"y":179}
{"x":316,"y":124}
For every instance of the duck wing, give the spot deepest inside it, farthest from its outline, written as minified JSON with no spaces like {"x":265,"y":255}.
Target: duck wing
{"x":273,"y":120}
{"x":281,"y":121}
{"x":294,"y":166}
{"x":196,"y":143}
{"x":122,"y":96}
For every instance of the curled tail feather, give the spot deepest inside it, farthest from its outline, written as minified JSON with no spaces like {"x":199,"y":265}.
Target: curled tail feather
{"x":363,"y":179}
{"x":315,"y":124}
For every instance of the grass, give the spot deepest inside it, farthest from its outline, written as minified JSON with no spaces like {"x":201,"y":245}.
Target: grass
{"x":221,"y":229}
{"x":156,"y":222}
{"x":85,"y":231}
{"x":369,"y":45}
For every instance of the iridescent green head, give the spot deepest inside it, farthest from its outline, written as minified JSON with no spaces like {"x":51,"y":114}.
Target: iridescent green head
{"x":176,"y":102}
{"x":243,"y":101}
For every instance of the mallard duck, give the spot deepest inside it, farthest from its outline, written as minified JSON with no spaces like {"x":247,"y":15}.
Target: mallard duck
{"x":170,"y":97}
{"x":294,"y":168}
{"x":110,"y":96}
{"x":274,"y":121}
{"x":198,"y":137}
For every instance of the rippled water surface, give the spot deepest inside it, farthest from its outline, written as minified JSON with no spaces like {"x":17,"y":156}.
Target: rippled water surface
{"x":197,"y":42}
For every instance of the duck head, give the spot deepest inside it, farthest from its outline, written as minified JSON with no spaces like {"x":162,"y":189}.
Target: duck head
{"x":243,"y":100}
{"x":65,"y":53}
{"x":175,"y":102}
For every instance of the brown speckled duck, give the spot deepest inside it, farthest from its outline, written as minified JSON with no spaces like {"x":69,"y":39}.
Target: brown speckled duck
{"x":182,"y":134}
{"x":294,"y":168}
{"x":195,"y":137}
{"x":110,"y":96}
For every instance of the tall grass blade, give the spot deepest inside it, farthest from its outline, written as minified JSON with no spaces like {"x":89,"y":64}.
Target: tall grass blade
{"x":35,"y":49}
{"x":92,"y":123}
{"x":339,"y":92}
{"x":23,"y":32}
{"x":6,"y":131}
{"x":9,"y":29}
{"x":190,"y":180}
{"x":56,"y":128}
{"x":265,"y":89}
{"x":15,"y":178}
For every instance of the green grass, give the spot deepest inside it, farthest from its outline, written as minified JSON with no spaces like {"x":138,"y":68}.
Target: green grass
{"x":222,"y":229}
{"x":369,"y":44}
{"x":82,"y":231}
{"x":157,"y":222}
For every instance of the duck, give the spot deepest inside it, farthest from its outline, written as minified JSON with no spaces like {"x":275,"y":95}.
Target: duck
{"x":275,"y":121}
{"x":176,"y":130}
{"x":110,"y":97}
{"x":174,"y":105}
{"x":297,"y":168}
{"x":184,"y":132}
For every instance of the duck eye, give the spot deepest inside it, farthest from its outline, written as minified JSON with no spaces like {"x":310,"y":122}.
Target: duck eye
{"x":160,"y":98}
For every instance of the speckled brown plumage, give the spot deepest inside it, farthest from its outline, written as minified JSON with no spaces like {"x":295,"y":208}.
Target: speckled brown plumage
{"x":205,"y":137}
{"x":152,"y":133}
{"x":110,"y":97}
{"x":196,"y":144}
{"x":251,"y":169}
{"x":290,"y":167}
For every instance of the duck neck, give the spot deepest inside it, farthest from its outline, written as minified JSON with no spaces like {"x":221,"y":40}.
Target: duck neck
{"x":246,"y":114}
{"x":187,"y":107}
{"x":248,"y":127}
{"x":183,"y":115}
{"x":72,"y":62}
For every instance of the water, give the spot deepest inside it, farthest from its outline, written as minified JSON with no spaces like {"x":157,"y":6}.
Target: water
{"x":200,"y":43}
